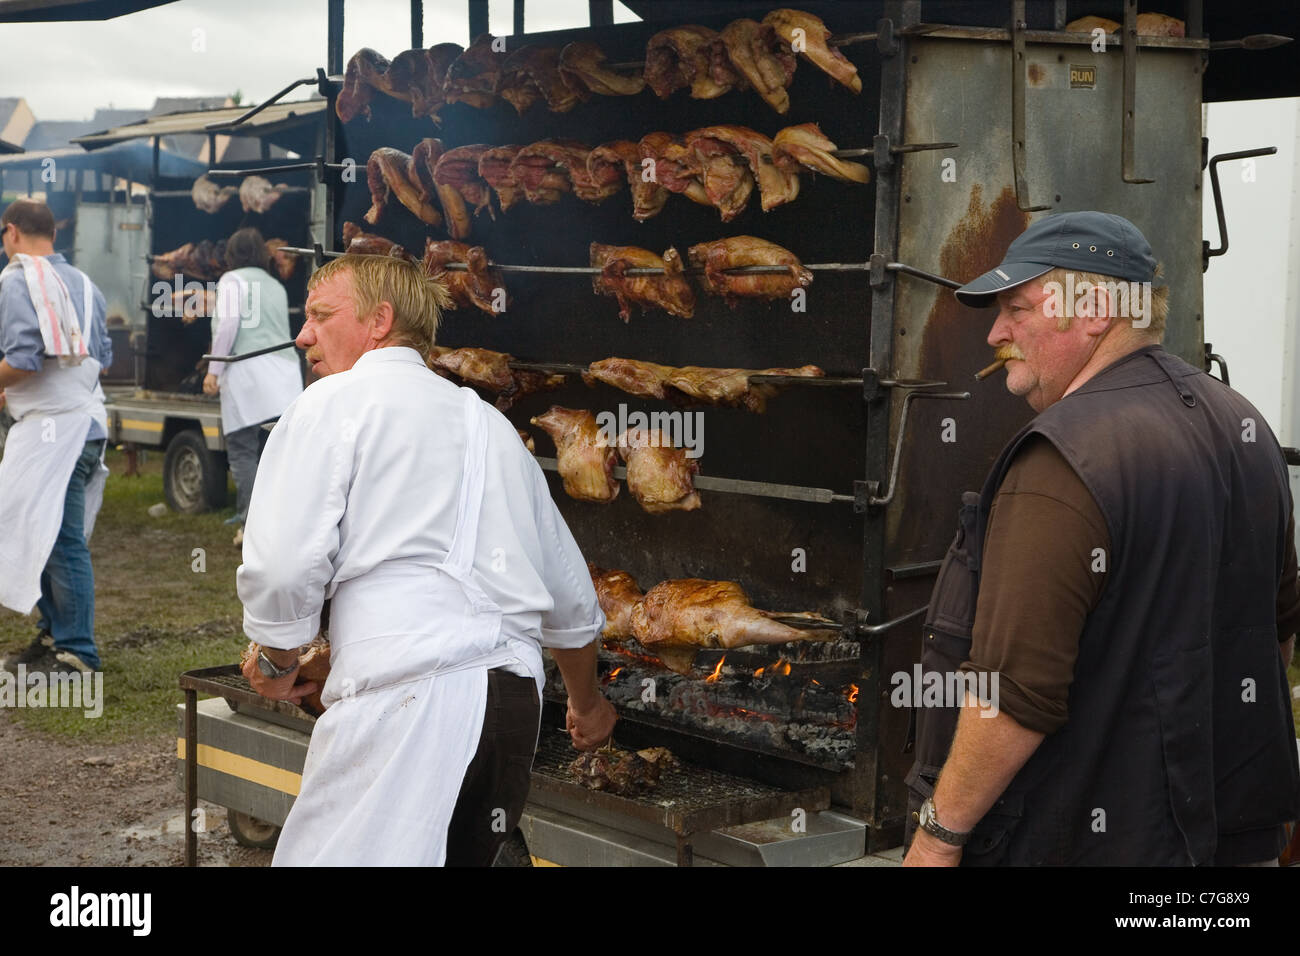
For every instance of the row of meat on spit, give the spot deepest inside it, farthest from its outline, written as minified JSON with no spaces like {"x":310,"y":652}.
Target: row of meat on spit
{"x":674,"y":619}
{"x":745,"y":54}
{"x":716,"y":166}
{"x":202,"y":263}
{"x":256,"y":194}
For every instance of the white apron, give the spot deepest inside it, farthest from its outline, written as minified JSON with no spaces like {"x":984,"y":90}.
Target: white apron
{"x":411,"y":646}
{"x":54,"y":409}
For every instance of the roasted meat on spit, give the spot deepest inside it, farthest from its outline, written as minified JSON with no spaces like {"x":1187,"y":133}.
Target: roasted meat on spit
{"x":419,"y":74}
{"x":458,"y":182}
{"x":533,"y":72}
{"x":670,"y":291}
{"x":358,"y":243}
{"x":580,"y":65}
{"x":731,"y":386}
{"x":205,"y":260}
{"x":806,"y":145}
{"x":256,"y":194}
{"x":814,"y":45}
{"x":358,"y":89}
{"x":608,"y":164}
{"x":724,"y":172}
{"x":659,"y":475}
{"x":776,"y":185}
{"x":283,"y":264}
{"x":494,"y":168}
{"x":550,"y":168}
{"x":491,"y":371}
{"x":210,"y":197}
{"x":585,"y":454}
{"x":634,"y":377}
{"x":722,"y":254}
{"x":389,"y":172}
{"x":618,"y":595}
{"x":691,"y":56}
{"x":473,"y":76}
{"x":675,"y":166}
{"x":474,"y":287}
{"x":763,"y":58}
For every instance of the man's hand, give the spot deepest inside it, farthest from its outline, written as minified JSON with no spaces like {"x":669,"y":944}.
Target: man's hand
{"x":931,"y":851}
{"x":211,"y":385}
{"x":591,"y":728}
{"x":282,"y":688}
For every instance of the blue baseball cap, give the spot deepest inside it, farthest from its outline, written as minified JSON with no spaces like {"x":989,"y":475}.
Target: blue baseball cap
{"x":1084,"y":241}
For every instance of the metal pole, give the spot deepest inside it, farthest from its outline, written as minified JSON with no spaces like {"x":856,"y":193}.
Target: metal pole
{"x":519,"y":18}
{"x":417,"y":24}
{"x":478,"y":18}
{"x":157,"y":160}
{"x":334,"y":38}
{"x":601,"y":12}
{"x":191,"y":775}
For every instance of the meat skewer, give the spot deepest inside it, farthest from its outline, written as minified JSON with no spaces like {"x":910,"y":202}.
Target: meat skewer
{"x":358,"y":243}
{"x":648,"y":197}
{"x":473,"y":287}
{"x":777,"y":185}
{"x":688,"y":56}
{"x":357,"y":91}
{"x":724,"y":172}
{"x":491,"y":371}
{"x":762,"y":58}
{"x":533,"y":72}
{"x":283,"y":263}
{"x":659,"y":475}
{"x":669,"y":291}
{"x":210,"y":197}
{"x":473,"y":77}
{"x":256,"y":194}
{"x":389,"y":172}
{"x":618,"y":595}
{"x":806,"y":145}
{"x":419,"y":75}
{"x":457,"y":181}
{"x":494,"y":168}
{"x":580,"y":65}
{"x":728,"y":387}
{"x":720,"y":255}
{"x":584,"y":453}
{"x":814,"y":45}
{"x":676,"y":166}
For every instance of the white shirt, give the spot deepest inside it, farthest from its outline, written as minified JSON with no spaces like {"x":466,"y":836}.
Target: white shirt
{"x":363,"y":470}
{"x":257,"y":389}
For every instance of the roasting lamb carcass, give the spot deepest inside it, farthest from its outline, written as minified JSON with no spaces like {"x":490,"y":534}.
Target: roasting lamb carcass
{"x":670,"y":291}
{"x":776,"y":185}
{"x":762,"y":58}
{"x":618,"y":595}
{"x":491,"y":371}
{"x":419,"y":75}
{"x":357,"y":92}
{"x":731,"y":386}
{"x":806,"y":145}
{"x":358,"y":243}
{"x":685,"y":56}
{"x":580,"y":65}
{"x":814,"y":44}
{"x":675,"y":166}
{"x":472,"y":77}
{"x":533,"y":72}
{"x":645,"y":379}
{"x":609,"y":163}
{"x":165,"y":265}
{"x":722,"y":254}
{"x":458,"y":182}
{"x":389,"y":173}
{"x":210,"y":197}
{"x":258,"y":195}
{"x":474,"y":287}
{"x":659,"y":475}
{"x":725,"y":174}
{"x":494,"y":168}
{"x":542,"y":179}
{"x":585,"y":453}
{"x":283,"y":264}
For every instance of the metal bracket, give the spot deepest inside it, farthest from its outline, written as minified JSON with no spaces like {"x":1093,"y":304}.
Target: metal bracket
{"x":1206,"y":250}
{"x":1130,"y":39}
{"x":881,"y":152}
{"x":1212,"y":356}
{"x":856,"y":621}
{"x":1018,"y":162}
{"x":873,"y":385}
{"x":886,"y":42}
{"x":875,"y":501}
{"x":878,"y":265}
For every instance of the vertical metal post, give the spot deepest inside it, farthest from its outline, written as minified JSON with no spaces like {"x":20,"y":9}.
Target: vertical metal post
{"x":334,"y":39}
{"x":870,"y":793}
{"x":30,"y":183}
{"x":519,"y":18}
{"x":601,"y":12}
{"x":478,"y":18}
{"x":212,"y":148}
{"x":191,"y":775}
{"x":1195,"y":19}
{"x":1129,"y":129}
{"x":417,"y":24}
{"x":1018,"y":108}
{"x":157,"y":161}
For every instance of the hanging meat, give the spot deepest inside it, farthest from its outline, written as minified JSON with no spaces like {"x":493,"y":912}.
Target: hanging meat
{"x":709,"y":386}
{"x":808,"y":36}
{"x":675,"y":166}
{"x":550,"y":168}
{"x":473,"y":76}
{"x":193,"y":303}
{"x":203,"y":261}
{"x":630,"y":375}
{"x":491,"y":371}
{"x":724,"y":172}
{"x":494,"y":169}
{"x":580,"y":65}
{"x":533,"y":72}
{"x":618,"y":595}
{"x":256,"y":194}
{"x":358,"y":243}
{"x":424,"y":160}
{"x":358,"y":90}
{"x":584,"y":452}
{"x":776,"y":185}
{"x":208,"y":196}
{"x":283,"y":264}
{"x":722,"y":254}
{"x":659,"y":475}
{"x":669,"y":291}
{"x":474,"y":287}
{"x":389,"y":173}
{"x":166,"y":265}
{"x":458,"y":182}
{"x":762,"y":58}
{"x":608,"y":164}
{"x":527,"y":439}
{"x":419,"y":75}
{"x":686,"y":56}
{"x":806,"y":145}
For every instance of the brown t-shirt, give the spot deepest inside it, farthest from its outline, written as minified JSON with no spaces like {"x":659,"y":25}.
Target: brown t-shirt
{"x":1045,"y":563}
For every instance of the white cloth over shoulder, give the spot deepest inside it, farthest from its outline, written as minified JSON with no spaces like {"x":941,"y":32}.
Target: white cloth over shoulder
{"x":61,"y":330}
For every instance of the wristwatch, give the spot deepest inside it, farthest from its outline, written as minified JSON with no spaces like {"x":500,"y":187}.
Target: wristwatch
{"x":268,"y":668}
{"x":930,"y":825}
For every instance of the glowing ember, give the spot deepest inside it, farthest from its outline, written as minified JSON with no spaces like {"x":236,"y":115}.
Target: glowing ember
{"x":717,"y":671}
{"x":853,"y":693}
{"x":759,"y":672}
{"x":817,"y":682}
{"x":781,"y":667}
{"x":612,"y":675}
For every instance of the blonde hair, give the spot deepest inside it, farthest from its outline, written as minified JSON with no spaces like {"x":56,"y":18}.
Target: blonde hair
{"x":1159,"y":297}
{"x":417,"y":299}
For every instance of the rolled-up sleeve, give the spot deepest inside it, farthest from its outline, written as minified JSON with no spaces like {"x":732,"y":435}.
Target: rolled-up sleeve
{"x":292,"y":534}
{"x":576,"y":619}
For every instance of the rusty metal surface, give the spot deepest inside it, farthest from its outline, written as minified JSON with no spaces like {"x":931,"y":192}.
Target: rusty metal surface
{"x":692,"y":800}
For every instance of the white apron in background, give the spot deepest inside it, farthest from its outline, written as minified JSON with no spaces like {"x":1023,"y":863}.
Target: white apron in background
{"x":411,"y":646}
{"x":54,"y":409}
{"x":257,"y":389}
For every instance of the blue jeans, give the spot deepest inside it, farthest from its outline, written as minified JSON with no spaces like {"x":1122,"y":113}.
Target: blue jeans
{"x":67,"y":603}
{"x":243,"y":451}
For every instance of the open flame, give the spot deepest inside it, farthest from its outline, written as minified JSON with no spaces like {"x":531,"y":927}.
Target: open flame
{"x":780,"y":669}
{"x":853,"y":693}
{"x":717,"y":671}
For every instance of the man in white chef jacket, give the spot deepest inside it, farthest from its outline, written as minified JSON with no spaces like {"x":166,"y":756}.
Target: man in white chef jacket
{"x":413,"y":506}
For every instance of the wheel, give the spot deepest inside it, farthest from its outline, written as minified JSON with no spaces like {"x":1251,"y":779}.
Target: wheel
{"x":250,"y":831}
{"x":194,"y":479}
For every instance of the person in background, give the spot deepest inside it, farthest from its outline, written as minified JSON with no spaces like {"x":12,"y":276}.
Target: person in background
{"x":54,"y":344}
{"x":252,"y":312}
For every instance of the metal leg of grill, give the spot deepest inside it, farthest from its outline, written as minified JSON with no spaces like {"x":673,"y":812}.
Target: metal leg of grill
{"x":191,"y":776}
{"x":685,"y":856}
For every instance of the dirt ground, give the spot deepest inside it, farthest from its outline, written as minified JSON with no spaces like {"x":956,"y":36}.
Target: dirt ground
{"x":74,"y":803}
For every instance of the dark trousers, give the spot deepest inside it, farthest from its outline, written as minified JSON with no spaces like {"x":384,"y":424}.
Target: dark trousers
{"x":492,"y":795}
{"x":243,"y":452}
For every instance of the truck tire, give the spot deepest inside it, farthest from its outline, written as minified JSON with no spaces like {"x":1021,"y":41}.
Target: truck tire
{"x":194,"y":478}
{"x":252,"y":832}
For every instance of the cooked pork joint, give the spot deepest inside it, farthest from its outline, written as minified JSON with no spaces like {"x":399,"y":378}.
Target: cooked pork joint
{"x":585,"y":455}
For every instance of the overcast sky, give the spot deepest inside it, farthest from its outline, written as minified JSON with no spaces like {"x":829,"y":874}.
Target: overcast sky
{"x":214,"y":47}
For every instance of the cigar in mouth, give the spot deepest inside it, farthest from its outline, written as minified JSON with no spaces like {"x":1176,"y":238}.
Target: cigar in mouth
{"x":986,"y":372}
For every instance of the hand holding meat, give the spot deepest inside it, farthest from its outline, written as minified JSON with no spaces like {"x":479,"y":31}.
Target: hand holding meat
{"x":593,"y":726}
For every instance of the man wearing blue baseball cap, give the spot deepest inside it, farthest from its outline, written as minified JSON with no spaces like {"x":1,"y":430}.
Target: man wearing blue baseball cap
{"x":1128,"y":574}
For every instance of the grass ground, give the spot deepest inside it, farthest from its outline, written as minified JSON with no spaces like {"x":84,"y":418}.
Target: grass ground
{"x":164,"y":603}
